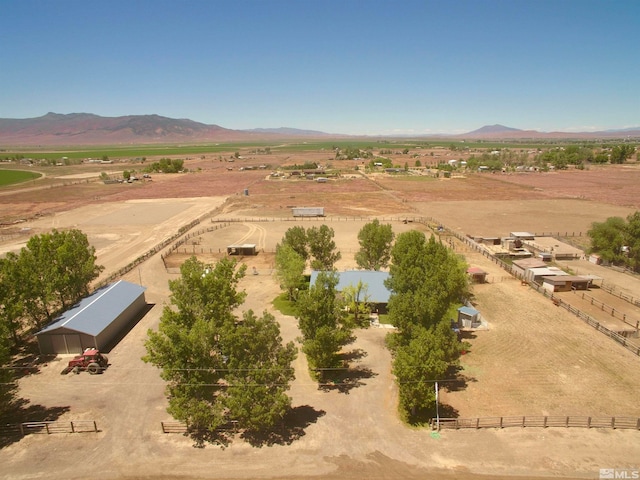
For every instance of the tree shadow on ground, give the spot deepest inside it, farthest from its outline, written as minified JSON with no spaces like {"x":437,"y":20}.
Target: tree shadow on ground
{"x":27,"y":359}
{"x":203,"y":437}
{"x":423,"y":417}
{"x":343,"y":381}
{"x":291,"y":429}
{"x":458,"y":381}
{"x":353,"y":355}
{"x":19,"y":411}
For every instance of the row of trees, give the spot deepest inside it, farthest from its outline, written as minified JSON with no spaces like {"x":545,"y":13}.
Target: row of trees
{"x":323,"y":320}
{"x":166,"y":165}
{"x":559,"y":157}
{"x":617,"y":240}
{"x":426,"y":280}
{"x":50,"y":274}
{"x":220,"y":367}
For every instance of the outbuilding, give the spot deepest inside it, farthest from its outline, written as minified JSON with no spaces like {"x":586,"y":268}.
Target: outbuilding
{"x":245,"y":249}
{"x":477,"y":275}
{"x":468,"y":317}
{"x":565,"y":283}
{"x":94,"y":322}
{"x":308,"y":211}
{"x":519,"y":267}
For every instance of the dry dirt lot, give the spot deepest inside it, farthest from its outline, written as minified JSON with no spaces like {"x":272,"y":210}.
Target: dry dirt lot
{"x":535,"y":358}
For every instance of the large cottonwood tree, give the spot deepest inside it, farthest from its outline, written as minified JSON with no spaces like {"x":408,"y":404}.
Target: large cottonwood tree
{"x":375,"y":245}
{"x":323,"y":323}
{"x":426,"y":279}
{"x":50,"y":274}
{"x":219,"y":367}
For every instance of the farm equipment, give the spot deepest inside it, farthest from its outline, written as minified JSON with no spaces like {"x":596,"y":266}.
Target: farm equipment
{"x":91,"y":360}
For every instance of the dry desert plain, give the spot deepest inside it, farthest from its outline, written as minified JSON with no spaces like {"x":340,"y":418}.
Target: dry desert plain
{"x":535,"y":358}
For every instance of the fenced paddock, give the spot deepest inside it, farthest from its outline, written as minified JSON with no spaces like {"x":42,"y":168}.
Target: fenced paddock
{"x":565,"y":421}
{"x":49,"y":428}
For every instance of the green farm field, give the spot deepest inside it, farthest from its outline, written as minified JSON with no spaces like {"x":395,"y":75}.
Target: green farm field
{"x":12,"y":177}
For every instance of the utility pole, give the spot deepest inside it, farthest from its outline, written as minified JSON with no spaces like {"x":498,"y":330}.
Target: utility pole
{"x":437,"y":410}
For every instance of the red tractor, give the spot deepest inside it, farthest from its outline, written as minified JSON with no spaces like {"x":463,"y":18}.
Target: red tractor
{"x":91,"y":361}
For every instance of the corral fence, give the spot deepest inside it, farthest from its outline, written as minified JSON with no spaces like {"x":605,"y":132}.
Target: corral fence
{"x":442,"y":231}
{"x":622,"y":340}
{"x":558,"y":234}
{"x":148,"y":254}
{"x":623,"y":296}
{"x":568,"y":421}
{"x":49,"y":428}
{"x":608,"y":309}
{"x":175,"y":248}
{"x":182,"y":427}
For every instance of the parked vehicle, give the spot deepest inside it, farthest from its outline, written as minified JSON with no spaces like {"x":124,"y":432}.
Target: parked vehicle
{"x":91,"y":361}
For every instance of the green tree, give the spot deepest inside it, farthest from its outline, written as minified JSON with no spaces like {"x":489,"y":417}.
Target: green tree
{"x":260,"y":372}
{"x":296,"y":238}
{"x":620,"y":153}
{"x":7,"y":385}
{"x":217,"y":367}
{"x":322,"y":248}
{"x":357,"y":299}
{"x":53,"y":272}
{"x":322,"y":322}
{"x":126,"y":174}
{"x":608,"y":238}
{"x":375,"y":245}
{"x":425,"y":278}
{"x":632,"y":240}
{"x":187,"y":346}
{"x":422,"y":361}
{"x":289,"y":269}
{"x":11,"y":304}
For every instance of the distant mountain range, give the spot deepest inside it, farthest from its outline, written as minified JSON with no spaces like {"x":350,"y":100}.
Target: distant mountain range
{"x":500,"y":132}
{"x":90,"y":129}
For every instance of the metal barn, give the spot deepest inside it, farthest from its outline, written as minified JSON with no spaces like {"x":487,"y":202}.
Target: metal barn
{"x":95,"y":321}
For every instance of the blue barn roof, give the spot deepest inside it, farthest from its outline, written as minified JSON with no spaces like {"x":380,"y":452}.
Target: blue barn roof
{"x":374,"y":281}
{"x":96,"y":312}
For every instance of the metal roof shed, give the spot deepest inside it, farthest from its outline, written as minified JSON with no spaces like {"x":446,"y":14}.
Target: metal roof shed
{"x":95,"y":321}
{"x":242,"y":250}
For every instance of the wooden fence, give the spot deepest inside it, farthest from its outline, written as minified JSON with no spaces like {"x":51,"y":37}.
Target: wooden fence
{"x":623,"y":296}
{"x":608,"y":309}
{"x":624,"y":341}
{"x":181,"y":427}
{"x":22,"y":429}
{"x":627,"y":423}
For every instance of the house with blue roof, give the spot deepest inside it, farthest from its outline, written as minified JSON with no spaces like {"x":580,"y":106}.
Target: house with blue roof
{"x":375,"y":291}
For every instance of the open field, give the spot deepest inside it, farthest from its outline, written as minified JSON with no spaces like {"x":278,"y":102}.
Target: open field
{"x":535,"y":358}
{"x":11,"y":177}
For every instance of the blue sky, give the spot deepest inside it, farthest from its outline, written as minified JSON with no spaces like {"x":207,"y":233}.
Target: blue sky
{"x":344,"y":66}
